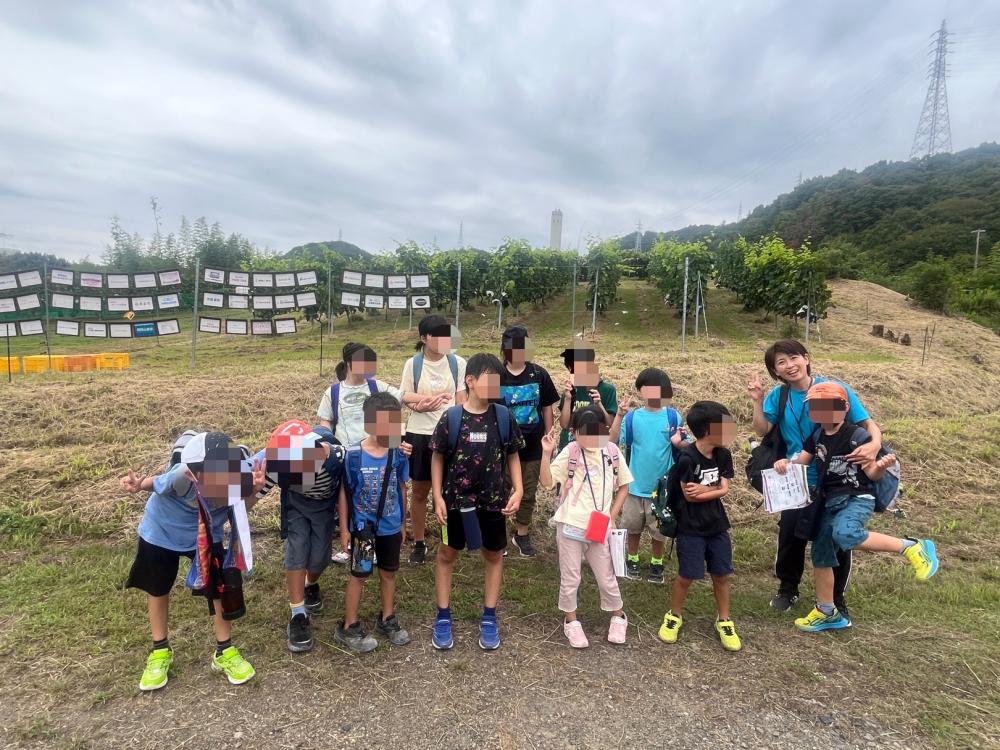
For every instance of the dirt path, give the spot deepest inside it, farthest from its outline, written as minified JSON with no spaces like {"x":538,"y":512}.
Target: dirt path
{"x":533,"y":693}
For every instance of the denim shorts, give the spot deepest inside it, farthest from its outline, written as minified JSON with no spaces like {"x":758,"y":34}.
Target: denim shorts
{"x":841,"y":527}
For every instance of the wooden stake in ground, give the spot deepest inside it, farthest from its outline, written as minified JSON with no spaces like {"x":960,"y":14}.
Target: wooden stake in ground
{"x":923,"y":353}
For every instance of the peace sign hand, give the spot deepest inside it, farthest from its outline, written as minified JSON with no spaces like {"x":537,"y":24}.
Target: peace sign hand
{"x":755,"y":389}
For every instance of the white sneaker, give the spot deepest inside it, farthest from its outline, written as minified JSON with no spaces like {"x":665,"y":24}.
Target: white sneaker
{"x":341,"y":558}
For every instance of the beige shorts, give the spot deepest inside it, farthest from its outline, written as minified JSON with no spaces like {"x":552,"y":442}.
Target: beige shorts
{"x":638,"y":515}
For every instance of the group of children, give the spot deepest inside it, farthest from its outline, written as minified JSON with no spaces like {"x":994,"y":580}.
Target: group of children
{"x":478,"y":442}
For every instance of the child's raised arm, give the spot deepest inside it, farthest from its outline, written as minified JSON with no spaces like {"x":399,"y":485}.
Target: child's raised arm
{"x":616,"y":423}
{"x":875,"y":470}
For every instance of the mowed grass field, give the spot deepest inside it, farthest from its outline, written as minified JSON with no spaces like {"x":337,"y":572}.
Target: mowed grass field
{"x":921,"y":666}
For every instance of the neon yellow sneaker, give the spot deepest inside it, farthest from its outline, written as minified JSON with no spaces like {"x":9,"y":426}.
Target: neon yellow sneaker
{"x":157,"y":670}
{"x":923,"y":557}
{"x":237,"y":669}
{"x":727,"y":634}
{"x":816,"y":621}
{"x":670,"y":628}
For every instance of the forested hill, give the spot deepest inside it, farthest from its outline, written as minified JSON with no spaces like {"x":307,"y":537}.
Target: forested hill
{"x":893,"y":213}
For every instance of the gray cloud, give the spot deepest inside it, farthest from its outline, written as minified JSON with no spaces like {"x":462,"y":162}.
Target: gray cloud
{"x":288,"y":121}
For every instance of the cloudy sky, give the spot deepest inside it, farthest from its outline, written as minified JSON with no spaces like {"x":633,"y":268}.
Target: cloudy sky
{"x":289,"y":121}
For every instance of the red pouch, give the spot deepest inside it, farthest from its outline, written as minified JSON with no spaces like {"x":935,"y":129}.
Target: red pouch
{"x":597,"y":527}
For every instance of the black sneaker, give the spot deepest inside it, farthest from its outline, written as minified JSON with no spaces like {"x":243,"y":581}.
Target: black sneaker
{"x":390,"y":628}
{"x":314,"y":599}
{"x":300,"y":637}
{"x":418,"y":555}
{"x":655,"y":574}
{"x":842,"y":608}
{"x":355,"y":638}
{"x":632,"y":570}
{"x":784,"y":600}
{"x":524,"y":545}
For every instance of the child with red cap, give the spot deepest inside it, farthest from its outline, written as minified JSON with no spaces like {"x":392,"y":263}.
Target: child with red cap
{"x":847,"y":494}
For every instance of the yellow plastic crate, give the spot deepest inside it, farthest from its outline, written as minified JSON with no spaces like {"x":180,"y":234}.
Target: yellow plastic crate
{"x":14,"y":362}
{"x":112,"y":361}
{"x":58,"y":363}
{"x":36,"y":363}
{"x":79,"y":363}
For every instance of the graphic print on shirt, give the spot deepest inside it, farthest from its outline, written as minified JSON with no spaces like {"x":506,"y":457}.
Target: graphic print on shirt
{"x":367,"y":497}
{"x":709,"y":476}
{"x":838,"y":468}
{"x":523,"y":402}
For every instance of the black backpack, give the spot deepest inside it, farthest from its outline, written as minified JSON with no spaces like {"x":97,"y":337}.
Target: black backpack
{"x":771,"y":449}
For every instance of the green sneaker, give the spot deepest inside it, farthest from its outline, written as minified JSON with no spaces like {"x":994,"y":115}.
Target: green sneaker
{"x":157,"y":669}
{"x":237,"y":669}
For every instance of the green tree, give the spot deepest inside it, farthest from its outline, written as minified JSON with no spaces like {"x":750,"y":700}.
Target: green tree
{"x":931,"y":283}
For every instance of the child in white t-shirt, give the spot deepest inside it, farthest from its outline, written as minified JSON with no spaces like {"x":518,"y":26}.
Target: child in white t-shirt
{"x":594,"y":479}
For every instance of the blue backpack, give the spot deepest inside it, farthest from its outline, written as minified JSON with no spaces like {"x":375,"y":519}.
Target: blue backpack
{"x":673,"y":419}
{"x":335,"y":400}
{"x":886,"y":489}
{"x":454,"y":417}
{"x":418,"y":368}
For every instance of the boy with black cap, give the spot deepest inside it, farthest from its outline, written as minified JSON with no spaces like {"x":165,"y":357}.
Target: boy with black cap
{"x":584,"y":386}
{"x":212,"y":469}
{"x":527,"y":390}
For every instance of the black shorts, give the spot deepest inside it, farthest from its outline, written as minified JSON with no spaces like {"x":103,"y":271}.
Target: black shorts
{"x":154,"y":569}
{"x":387,"y":549}
{"x":492,"y":528}
{"x":420,"y":459}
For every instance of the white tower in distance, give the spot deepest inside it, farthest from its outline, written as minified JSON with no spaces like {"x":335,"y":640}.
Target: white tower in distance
{"x":555,"y":233}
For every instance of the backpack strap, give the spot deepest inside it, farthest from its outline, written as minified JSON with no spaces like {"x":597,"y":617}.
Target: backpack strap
{"x":353,"y":462}
{"x":453,"y":366}
{"x":335,"y":404}
{"x":627,"y":428}
{"x":783,"y":400}
{"x":673,"y":418}
{"x":372,"y":386}
{"x":418,"y":368}
{"x":502,"y":414}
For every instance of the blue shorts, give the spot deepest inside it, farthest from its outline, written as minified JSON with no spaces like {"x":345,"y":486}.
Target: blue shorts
{"x":841,"y":527}
{"x":694,"y":552}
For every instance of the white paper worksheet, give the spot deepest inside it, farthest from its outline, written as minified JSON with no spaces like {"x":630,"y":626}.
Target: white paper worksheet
{"x":785,"y":491}
{"x":616,"y":542}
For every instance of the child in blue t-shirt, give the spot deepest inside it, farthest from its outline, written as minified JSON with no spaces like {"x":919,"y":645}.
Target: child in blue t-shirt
{"x":209,"y":464}
{"x":372,"y":509}
{"x":647,"y":436}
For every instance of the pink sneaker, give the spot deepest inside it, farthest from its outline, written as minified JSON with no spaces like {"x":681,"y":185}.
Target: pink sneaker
{"x":618,"y":629}
{"x":575,"y":635}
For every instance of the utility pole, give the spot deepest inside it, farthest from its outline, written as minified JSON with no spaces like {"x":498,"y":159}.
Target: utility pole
{"x":975,"y":265}
{"x":597,"y":279}
{"x":458,"y":296}
{"x":933,"y":134}
{"x":194,"y":314}
{"x":461,"y":235}
{"x":572,"y":286}
{"x":684,"y":312}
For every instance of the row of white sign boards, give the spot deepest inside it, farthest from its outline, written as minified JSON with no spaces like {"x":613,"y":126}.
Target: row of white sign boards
{"x":386,"y":281}
{"x":144,"y":329}
{"x":378,"y":301}
{"x":260,"y":280}
{"x":259,"y":301}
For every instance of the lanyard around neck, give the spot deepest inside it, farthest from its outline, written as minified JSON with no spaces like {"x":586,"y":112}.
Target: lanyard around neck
{"x":604,"y":476}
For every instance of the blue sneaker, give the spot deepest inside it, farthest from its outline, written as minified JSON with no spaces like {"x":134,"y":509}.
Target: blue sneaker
{"x":817,"y":622}
{"x":489,"y":634}
{"x":442,"y":639}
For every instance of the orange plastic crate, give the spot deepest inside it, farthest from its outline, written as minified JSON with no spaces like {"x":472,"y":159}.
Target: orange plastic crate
{"x":112,"y":361}
{"x":58,"y":363}
{"x":14,"y":362}
{"x":80,"y":363}
{"x":36,"y":363}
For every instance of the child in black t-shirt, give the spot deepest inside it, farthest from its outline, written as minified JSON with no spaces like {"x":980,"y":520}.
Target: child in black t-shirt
{"x":471,"y":445}
{"x":702,"y":475}
{"x":847,"y":493}
{"x":528,"y":391}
